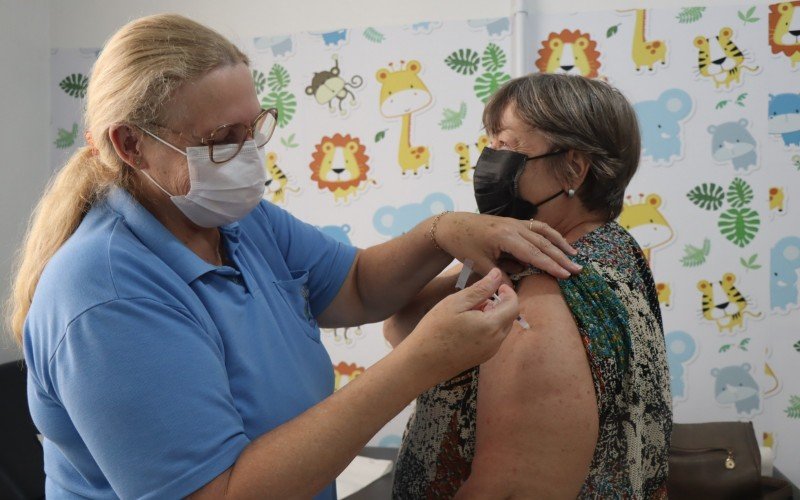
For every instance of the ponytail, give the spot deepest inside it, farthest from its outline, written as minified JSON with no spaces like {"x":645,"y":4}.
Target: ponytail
{"x":67,"y":198}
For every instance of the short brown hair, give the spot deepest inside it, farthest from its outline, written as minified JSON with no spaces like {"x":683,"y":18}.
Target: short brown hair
{"x":581,"y":114}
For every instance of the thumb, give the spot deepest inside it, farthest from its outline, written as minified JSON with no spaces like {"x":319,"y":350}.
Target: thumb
{"x":479,"y":292}
{"x":507,"y":308}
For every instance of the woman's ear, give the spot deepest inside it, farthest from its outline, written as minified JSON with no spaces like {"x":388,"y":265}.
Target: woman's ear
{"x":579,"y":168}
{"x":126,"y":140}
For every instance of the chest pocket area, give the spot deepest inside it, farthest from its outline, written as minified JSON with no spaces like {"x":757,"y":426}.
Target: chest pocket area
{"x":295,"y":294}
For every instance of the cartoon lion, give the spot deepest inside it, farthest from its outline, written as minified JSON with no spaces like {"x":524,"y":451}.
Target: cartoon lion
{"x":784,"y":26}
{"x":339,"y":164}
{"x":570,"y":52}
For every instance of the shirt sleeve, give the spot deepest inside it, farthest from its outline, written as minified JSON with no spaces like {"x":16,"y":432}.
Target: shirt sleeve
{"x":304,"y":247}
{"x":146,"y":388}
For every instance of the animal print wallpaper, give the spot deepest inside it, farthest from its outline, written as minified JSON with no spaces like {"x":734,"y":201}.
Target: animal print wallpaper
{"x":379,"y":128}
{"x":717,"y":92}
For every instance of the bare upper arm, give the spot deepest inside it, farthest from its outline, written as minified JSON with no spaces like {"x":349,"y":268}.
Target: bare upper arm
{"x":537,"y":420}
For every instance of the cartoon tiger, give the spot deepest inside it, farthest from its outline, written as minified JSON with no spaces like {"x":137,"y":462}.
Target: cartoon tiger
{"x":728,"y":314}
{"x":465,"y":165}
{"x":276,"y":180}
{"x":721,"y":61}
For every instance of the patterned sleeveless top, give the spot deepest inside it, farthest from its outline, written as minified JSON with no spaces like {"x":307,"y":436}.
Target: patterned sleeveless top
{"x":615,"y":307}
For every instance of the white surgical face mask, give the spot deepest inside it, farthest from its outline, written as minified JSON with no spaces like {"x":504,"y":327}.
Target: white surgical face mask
{"x":219,"y":193}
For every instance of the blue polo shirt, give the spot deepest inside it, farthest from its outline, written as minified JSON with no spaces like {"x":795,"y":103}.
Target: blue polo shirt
{"x":150,"y":370}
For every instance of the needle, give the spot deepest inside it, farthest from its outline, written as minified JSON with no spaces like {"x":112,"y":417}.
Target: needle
{"x":462,"y":282}
{"x":524,"y":324}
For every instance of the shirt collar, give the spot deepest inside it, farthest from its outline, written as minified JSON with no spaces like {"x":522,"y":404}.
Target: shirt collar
{"x":161,"y":241}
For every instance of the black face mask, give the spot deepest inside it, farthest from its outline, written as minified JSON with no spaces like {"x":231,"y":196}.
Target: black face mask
{"x":496,"y":184}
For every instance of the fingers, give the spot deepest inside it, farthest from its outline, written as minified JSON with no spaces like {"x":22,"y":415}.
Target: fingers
{"x":552,"y":235}
{"x":504,"y":311}
{"x":535,"y":250}
{"x":548,"y":248}
{"x":478,"y":293}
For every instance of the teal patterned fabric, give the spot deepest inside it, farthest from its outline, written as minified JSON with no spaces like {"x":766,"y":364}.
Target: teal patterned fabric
{"x":600,"y":314}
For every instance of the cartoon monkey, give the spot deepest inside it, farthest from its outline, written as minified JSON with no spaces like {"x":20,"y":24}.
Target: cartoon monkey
{"x":327,"y":85}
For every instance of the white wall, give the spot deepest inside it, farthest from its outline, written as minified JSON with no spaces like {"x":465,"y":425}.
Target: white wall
{"x":24,"y":101}
{"x":28,"y":28}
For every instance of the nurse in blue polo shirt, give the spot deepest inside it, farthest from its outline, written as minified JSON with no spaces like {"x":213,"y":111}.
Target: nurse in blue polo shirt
{"x":170,"y":317}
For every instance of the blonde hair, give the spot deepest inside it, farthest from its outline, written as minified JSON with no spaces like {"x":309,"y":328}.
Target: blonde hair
{"x":132,"y":80}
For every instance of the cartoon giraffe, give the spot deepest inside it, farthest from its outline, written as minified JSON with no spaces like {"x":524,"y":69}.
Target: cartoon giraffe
{"x":402,"y":94}
{"x":646,"y":223}
{"x":644,"y":52}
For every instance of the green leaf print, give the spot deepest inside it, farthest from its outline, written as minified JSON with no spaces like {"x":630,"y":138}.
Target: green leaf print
{"x":380,"y":135}
{"x":751,"y":262}
{"x":694,"y":256}
{"x":748,"y":16}
{"x":463,"y":61}
{"x":739,"y":225}
{"x":75,"y":85}
{"x":488,"y":83}
{"x":612,"y":31}
{"x":374,"y":35}
{"x":493,"y":58}
{"x":690,"y":14}
{"x":259,"y":80}
{"x":707,"y":196}
{"x":793,"y":411}
{"x":284,"y":101}
{"x":66,"y":138}
{"x":452,"y":119}
{"x":739,"y":193}
{"x":278,"y":78}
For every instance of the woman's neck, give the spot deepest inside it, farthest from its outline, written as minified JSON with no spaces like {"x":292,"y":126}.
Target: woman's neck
{"x":206,"y":243}
{"x":572,"y":220}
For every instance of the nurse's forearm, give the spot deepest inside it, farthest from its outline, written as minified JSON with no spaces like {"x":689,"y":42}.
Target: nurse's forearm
{"x":390,"y":275}
{"x":302,"y":456}
{"x":385,"y":277}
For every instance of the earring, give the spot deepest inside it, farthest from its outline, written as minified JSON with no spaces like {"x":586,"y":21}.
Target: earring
{"x":570,"y":193}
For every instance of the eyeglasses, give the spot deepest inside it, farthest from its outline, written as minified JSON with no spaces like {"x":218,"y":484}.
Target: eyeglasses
{"x":221,"y":138}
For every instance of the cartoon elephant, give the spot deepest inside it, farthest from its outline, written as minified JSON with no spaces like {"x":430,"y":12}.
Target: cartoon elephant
{"x":680,"y":349}
{"x":394,"y":221}
{"x":660,"y":124}
{"x":783,"y":267}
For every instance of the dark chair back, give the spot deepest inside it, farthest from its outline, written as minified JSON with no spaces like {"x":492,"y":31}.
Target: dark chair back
{"x":21,"y":457}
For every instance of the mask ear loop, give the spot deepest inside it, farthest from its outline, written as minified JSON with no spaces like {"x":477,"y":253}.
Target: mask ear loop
{"x":162,"y":141}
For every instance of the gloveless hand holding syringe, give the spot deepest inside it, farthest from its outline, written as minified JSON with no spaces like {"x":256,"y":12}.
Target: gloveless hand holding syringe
{"x":462,"y":282}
